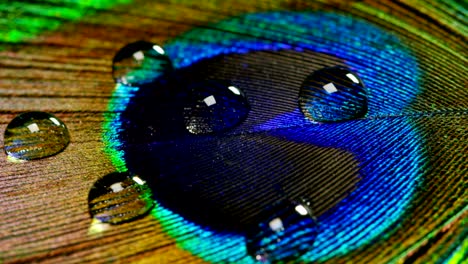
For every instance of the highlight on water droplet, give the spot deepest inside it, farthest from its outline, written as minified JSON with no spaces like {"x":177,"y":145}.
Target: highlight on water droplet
{"x":119,"y":197}
{"x":214,"y":106}
{"x":287,"y":231}
{"x":139,"y":63}
{"x":333,"y":94}
{"x":35,"y":135}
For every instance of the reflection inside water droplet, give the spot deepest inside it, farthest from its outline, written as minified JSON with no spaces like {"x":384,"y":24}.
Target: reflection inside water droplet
{"x":35,"y":135}
{"x":288,"y":231}
{"x":214,"y":106}
{"x":333,"y":94}
{"x":119,"y":197}
{"x":140,"y":62}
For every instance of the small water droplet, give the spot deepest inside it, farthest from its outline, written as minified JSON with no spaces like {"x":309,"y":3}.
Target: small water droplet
{"x":287,"y":232}
{"x":35,"y":135}
{"x":333,"y":94}
{"x":214,"y":106}
{"x":119,"y":197}
{"x":139,"y":63}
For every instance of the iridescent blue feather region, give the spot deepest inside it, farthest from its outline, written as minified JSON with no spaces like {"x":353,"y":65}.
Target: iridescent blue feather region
{"x":391,"y":76}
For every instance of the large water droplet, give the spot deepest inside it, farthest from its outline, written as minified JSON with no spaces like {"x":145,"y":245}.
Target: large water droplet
{"x":333,"y":94}
{"x":139,"y":63}
{"x":287,"y":232}
{"x":214,"y":106}
{"x":119,"y":197}
{"x":35,"y":135}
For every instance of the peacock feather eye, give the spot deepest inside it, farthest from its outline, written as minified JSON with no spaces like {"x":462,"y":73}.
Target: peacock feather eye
{"x":328,"y":97}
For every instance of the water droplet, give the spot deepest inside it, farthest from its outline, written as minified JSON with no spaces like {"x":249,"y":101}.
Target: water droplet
{"x":214,"y":106}
{"x":119,"y":197}
{"x":287,"y":231}
{"x":139,"y":63}
{"x":35,"y":135}
{"x":333,"y":94}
